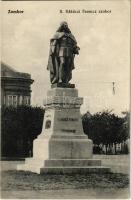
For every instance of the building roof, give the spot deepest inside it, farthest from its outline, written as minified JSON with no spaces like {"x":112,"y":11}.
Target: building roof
{"x":7,"y":71}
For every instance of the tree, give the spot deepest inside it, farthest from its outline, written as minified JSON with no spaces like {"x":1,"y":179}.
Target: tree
{"x":20,"y":126}
{"x":104,"y":128}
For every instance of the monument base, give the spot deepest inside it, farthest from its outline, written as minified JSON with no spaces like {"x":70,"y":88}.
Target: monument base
{"x":62,"y":147}
{"x":65,"y":166}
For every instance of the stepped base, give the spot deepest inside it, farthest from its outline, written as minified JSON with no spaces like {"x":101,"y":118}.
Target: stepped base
{"x":64,"y":166}
{"x":74,"y":170}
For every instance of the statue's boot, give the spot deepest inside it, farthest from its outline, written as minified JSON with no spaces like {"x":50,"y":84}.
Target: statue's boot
{"x":60,"y":81}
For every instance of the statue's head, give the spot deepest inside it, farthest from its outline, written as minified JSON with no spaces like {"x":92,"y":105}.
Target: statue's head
{"x":64,"y":24}
{"x":64,"y":27}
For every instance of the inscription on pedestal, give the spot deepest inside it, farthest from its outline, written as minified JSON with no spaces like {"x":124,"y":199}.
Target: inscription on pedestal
{"x":68,"y":119}
{"x":68,"y":130}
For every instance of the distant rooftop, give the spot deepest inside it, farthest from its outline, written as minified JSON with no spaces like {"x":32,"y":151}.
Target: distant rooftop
{"x":7,"y":71}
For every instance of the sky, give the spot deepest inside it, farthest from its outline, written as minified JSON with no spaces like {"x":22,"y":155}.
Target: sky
{"x":103,"y":39}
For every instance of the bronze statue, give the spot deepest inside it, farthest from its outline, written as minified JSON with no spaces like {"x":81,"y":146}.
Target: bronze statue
{"x":63,"y":47}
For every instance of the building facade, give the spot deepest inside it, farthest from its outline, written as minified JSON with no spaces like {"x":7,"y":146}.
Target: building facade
{"x":15,"y":87}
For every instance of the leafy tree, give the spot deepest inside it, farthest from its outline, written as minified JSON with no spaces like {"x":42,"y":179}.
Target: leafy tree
{"x":105,"y":128}
{"x":20,"y":126}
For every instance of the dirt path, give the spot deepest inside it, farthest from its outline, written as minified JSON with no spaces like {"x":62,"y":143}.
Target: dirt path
{"x":93,"y":193}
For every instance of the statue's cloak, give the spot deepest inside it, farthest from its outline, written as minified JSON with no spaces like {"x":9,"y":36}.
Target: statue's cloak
{"x":53,"y":61}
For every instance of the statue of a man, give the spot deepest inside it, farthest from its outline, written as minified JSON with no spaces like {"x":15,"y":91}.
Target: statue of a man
{"x":63,"y":47}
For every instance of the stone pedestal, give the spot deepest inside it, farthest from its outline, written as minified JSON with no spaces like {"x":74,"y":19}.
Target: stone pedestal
{"x":62,"y":147}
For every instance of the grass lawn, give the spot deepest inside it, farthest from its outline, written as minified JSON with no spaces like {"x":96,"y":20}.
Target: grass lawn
{"x":19,"y":184}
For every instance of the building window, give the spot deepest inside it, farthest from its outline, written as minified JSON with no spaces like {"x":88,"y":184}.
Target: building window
{"x":26,"y":100}
{"x":12,"y":100}
{"x":20,"y":100}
